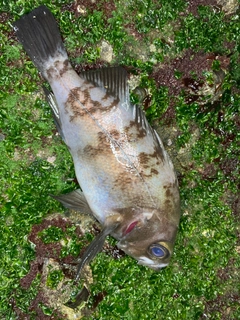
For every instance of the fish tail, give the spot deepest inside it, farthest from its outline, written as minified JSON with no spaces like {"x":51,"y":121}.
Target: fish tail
{"x":39,"y":34}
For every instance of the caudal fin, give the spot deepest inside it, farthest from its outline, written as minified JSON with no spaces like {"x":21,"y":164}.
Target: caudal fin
{"x":39,"y":34}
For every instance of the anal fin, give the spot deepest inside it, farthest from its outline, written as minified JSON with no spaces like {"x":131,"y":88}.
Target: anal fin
{"x":54,"y":107}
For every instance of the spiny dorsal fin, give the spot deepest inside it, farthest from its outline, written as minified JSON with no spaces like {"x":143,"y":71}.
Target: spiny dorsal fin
{"x":141,"y":120}
{"x":142,"y":123}
{"x":112,"y":79}
{"x":74,"y":200}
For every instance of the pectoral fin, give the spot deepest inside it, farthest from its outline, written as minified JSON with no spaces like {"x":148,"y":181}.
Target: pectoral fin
{"x":74,"y":200}
{"x":94,"y":248}
{"x":82,"y":296}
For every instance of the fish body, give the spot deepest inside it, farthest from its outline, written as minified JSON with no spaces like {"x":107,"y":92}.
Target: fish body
{"x":127,"y":179}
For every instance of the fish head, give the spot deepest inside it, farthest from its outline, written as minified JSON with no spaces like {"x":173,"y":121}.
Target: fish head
{"x":148,"y":235}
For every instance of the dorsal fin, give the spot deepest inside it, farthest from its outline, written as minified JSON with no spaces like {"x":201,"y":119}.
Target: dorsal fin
{"x":141,"y":120}
{"x":143,"y":125}
{"x":112,"y":79}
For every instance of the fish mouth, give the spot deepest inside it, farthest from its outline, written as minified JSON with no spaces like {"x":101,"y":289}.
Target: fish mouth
{"x":129,"y":228}
{"x":144,"y":261}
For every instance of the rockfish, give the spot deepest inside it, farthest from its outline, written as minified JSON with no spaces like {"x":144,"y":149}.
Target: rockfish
{"x":127,"y":180}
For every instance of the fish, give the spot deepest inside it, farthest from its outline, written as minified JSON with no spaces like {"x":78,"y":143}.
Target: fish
{"x":127,"y":180}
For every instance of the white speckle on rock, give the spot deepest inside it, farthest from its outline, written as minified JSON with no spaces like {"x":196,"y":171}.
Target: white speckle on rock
{"x":81,"y":9}
{"x":106,"y":51}
{"x":152,"y":48}
{"x":134,"y":81}
{"x":208,"y":233}
{"x":51,"y":159}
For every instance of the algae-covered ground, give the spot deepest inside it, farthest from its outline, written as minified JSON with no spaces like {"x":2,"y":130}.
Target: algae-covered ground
{"x":183,"y":57}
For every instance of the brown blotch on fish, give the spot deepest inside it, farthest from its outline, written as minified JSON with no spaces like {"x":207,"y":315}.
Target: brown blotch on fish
{"x":144,"y":159}
{"x":65,"y":68}
{"x":106,"y":96}
{"x":131,"y":136}
{"x":149,"y":159}
{"x":115,"y":134}
{"x":123,"y":181}
{"x":134,"y":131}
{"x":168,"y":204}
{"x":112,"y":105}
{"x":58,"y":69}
{"x":90,"y":151}
{"x":132,"y":126}
{"x":168,"y":192}
{"x":93,"y":105}
{"x":158,"y":154}
{"x":154,"y":171}
{"x":141,"y":133}
{"x":81,"y":103}
{"x":72,"y":103}
{"x":102,"y":139}
{"x":77,"y":97}
{"x":51,"y":73}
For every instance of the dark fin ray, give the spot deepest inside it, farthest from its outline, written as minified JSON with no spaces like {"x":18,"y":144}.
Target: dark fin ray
{"x":94,"y":248}
{"x":143,"y":125}
{"x":54,"y":107}
{"x":113,"y":79}
{"x":74,"y":200}
{"x":161,"y":150}
{"x":82,"y":296}
{"x":141,"y":120}
{"x":39,"y":34}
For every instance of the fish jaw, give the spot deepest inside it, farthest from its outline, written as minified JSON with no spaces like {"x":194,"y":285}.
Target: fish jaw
{"x":144,"y":261}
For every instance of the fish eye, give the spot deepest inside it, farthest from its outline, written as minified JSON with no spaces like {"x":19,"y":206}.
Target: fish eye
{"x":158,"y":251}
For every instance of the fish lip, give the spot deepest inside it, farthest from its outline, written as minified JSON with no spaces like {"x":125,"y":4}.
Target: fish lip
{"x":156,"y":267}
{"x":129,"y":228}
